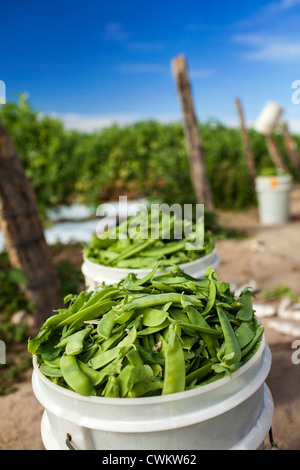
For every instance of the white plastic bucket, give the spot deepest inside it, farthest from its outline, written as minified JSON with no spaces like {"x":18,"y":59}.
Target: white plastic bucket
{"x":95,"y":274}
{"x":232,"y":413}
{"x":273,"y":195}
{"x":268,"y":118}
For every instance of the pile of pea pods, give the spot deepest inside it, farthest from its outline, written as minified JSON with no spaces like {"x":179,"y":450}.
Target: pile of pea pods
{"x":128,"y":248}
{"x":163,"y":334}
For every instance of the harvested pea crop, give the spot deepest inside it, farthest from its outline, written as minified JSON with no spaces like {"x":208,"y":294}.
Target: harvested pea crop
{"x":163,"y":334}
{"x":129,"y":248}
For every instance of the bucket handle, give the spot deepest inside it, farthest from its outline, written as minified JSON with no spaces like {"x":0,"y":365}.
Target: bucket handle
{"x":274,"y":446}
{"x":69,"y":443}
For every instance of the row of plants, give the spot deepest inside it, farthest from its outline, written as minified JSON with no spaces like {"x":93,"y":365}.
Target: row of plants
{"x":146,"y":159}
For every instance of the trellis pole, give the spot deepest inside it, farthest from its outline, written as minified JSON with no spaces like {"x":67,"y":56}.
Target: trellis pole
{"x":24,"y":234}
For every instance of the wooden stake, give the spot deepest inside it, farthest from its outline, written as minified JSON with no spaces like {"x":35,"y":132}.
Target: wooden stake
{"x":247,"y":145}
{"x":194,"y":145}
{"x":291,"y":147}
{"x":24,"y":235}
{"x":274,"y":152}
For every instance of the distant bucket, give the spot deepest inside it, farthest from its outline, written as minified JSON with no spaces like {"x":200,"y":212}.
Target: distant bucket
{"x":268,"y":118}
{"x":95,"y":274}
{"x":273,"y":196}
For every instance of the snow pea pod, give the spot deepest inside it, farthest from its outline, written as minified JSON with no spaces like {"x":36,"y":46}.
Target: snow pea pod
{"x":232,"y":348}
{"x":196,"y":318}
{"x":106,"y":324}
{"x":112,"y":388}
{"x":35,"y":343}
{"x":153,"y":329}
{"x":75,"y":342}
{"x":245,"y":333}
{"x":88,"y":313}
{"x":160,"y":299}
{"x":152,"y":316}
{"x":212,"y":292}
{"x":199,"y":374}
{"x":94,"y":375}
{"x":50,"y":371}
{"x":56,"y":319}
{"x":245,"y":312}
{"x":258,"y":334}
{"x":102,"y":358}
{"x":174,"y":377}
{"x":74,"y":377}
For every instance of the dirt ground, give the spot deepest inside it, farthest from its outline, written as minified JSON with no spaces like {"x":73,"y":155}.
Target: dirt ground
{"x":268,"y":256}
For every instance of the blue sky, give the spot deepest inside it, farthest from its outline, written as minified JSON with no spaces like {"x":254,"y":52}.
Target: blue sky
{"x":92,"y":63}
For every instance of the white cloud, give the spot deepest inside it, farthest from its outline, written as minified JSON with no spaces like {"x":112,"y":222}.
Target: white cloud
{"x":143,"y":68}
{"x":271,"y":49}
{"x":144,"y":46}
{"x":92,"y":122}
{"x":114,"y":32}
{"x":201,"y":73}
{"x":267,"y":13}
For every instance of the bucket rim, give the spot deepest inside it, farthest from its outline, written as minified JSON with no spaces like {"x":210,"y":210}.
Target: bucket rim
{"x":125,"y":271}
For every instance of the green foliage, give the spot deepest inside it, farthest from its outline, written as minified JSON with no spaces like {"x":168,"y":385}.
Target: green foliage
{"x":70,"y":278}
{"x":12,"y":297}
{"x":280,"y":291}
{"x":146,"y":159}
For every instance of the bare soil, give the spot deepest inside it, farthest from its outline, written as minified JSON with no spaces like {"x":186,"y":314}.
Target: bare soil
{"x":269,"y":256}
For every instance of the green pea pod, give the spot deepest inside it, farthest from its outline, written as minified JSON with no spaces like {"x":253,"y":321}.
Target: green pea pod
{"x":54,"y":363}
{"x":50,"y":371}
{"x":258,"y":334}
{"x":35,"y":343}
{"x":163,"y":287}
{"x":212,"y":291}
{"x":199,"y":374}
{"x":56,"y":319}
{"x":75,"y":342}
{"x":106,"y":324}
{"x":151,"y":357}
{"x":77,"y":380}
{"x":152,"y":317}
{"x":112,"y":388}
{"x":197,"y":319}
{"x":49,"y":349}
{"x":123,"y":380}
{"x":146,"y":388}
{"x":94,"y":375}
{"x":102,"y":358}
{"x":88,"y":313}
{"x":245,"y":313}
{"x":160,"y":299}
{"x":245,"y":333}
{"x":232,"y":351}
{"x":134,"y":358}
{"x":112,"y":340}
{"x":148,"y":277}
{"x":150,"y":330}
{"x":174,"y":376}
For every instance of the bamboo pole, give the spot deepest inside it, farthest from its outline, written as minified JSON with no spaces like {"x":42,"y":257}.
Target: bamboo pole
{"x":291,"y":147}
{"x":274,"y":152}
{"x":24,"y":235}
{"x":247,"y":145}
{"x":199,"y":177}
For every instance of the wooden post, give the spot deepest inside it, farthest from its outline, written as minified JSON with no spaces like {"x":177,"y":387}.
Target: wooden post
{"x":247,"y":146}
{"x":24,"y":234}
{"x":274,"y":152}
{"x":291,"y":147}
{"x":194,"y":145}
